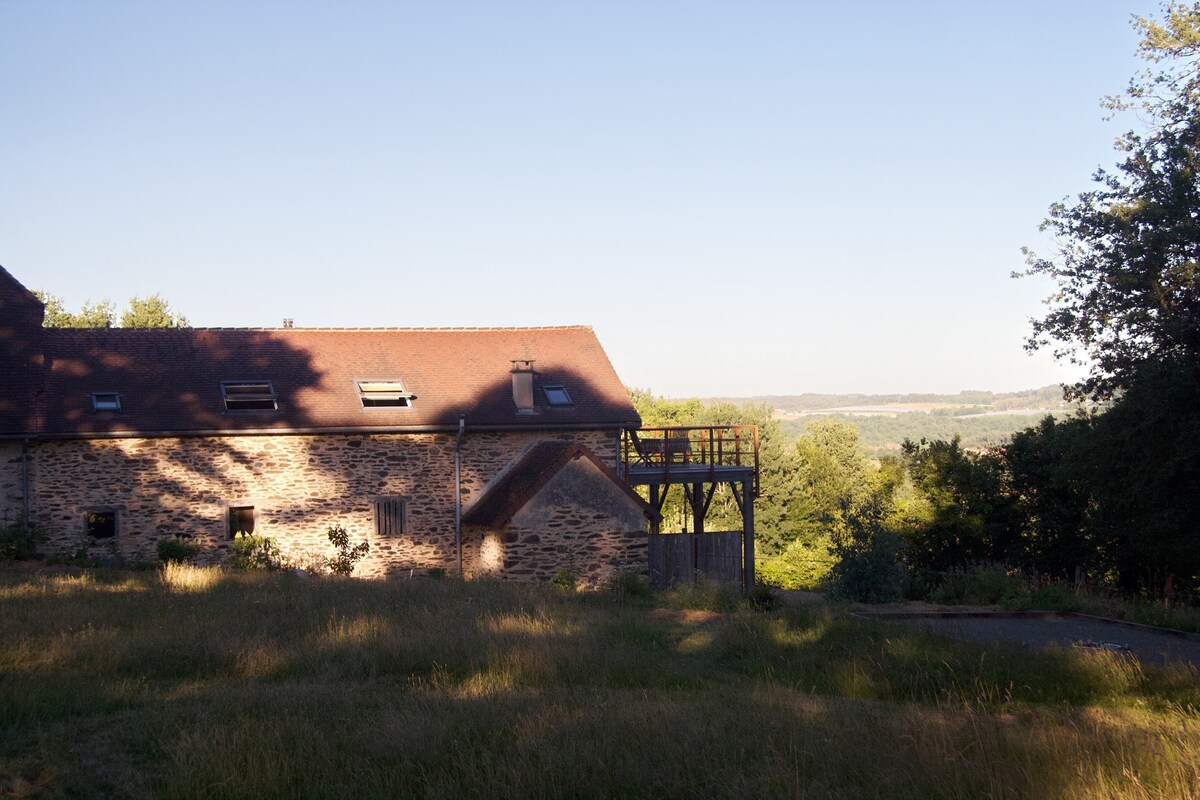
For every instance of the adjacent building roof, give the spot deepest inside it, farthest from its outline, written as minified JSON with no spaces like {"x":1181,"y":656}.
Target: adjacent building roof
{"x":169,"y":381}
{"x":509,"y":493}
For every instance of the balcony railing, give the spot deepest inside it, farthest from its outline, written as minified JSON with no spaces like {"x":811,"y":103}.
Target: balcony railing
{"x":713,"y":446}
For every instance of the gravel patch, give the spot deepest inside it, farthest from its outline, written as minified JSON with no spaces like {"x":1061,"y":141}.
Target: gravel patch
{"x":1146,"y":643}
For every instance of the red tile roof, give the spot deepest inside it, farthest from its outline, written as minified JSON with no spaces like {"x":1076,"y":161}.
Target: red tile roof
{"x":501,"y":501}
{"x":169,"y":379}
{"x":20,"y":352}
{"x":13,"y":291}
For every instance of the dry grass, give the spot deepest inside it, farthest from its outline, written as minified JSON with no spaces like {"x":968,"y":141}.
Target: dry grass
{"x":195,"y":683}
{"x":182,"y":577}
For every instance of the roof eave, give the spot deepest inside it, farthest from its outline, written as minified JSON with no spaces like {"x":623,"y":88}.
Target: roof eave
{"x":315,"y":430}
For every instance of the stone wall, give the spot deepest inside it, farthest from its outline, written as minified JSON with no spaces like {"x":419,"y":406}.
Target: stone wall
{"x":299,"y":486}
{"x":579,"y":522}
{"x":10,"y":482}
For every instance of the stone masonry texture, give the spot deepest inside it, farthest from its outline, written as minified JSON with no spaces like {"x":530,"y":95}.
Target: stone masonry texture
{"x":579,"y":523}
{"x":300,"y":485}
{"x":10,"y":482}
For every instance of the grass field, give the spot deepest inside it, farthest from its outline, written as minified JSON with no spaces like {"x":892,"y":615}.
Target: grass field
{"x":196,"y":683}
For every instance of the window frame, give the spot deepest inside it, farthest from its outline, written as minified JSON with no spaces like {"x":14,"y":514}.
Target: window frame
{"x":230,"y":532}
{"x":557,"y":389}
{"x":102,"y":511}
{"x":396,"y":396}
{"x":249,"y":401}
{"x":384,"y":508}
{"x":103,"y":406}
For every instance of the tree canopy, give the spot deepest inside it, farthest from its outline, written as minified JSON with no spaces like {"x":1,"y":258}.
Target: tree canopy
{"x":150,"y":312}
{"x":1127,"y":266}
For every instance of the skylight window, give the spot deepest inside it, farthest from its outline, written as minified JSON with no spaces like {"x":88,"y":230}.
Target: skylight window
{"x":384,"y":394}
{"x":106,"y":401}
{"x":556,"y":395}
{"x":249,"y":395}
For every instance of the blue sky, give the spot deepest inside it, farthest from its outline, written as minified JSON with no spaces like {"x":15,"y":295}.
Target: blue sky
{"x":741,"y":198}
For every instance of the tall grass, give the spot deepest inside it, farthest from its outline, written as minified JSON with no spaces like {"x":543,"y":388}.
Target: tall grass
{"x":179,"y":576}
{"x":198,"y":683}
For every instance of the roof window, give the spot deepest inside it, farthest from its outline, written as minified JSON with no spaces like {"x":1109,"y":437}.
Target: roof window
{"x":384,"y":394}
{"x":249,"y":395}
{"x":556,"y":395}
{"x":106,"y":401}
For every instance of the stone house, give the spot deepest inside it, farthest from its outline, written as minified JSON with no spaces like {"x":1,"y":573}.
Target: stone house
{"x":486,"y":451}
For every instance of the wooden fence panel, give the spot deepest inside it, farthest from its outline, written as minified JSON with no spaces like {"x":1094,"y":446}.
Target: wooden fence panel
{"x":719,"y":556}
{"x":680,"y":557}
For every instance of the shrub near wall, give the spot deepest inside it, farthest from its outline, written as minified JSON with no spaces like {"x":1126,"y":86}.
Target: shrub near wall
{"x":19,"y":542}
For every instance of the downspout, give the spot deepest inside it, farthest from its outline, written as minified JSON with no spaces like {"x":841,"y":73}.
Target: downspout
{"x":25,"y":483}
{"x":462,"y":429}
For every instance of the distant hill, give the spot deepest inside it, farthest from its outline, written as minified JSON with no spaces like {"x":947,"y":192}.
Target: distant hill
{"x":1048,"y":397}
{"x":980,"y":418}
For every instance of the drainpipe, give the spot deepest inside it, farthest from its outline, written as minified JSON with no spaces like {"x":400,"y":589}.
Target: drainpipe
{"x":25,"y":483}
{"x":462,"y":429}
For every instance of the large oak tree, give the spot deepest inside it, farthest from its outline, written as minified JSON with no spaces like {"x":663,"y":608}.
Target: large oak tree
{"x":1126,"y":266}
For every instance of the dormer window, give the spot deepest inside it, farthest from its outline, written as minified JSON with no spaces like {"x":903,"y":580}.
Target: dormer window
{"x":249,"y":396}
{"x":106,"y":401}
{"x":384,"y":394}
{"x":557,"y":396}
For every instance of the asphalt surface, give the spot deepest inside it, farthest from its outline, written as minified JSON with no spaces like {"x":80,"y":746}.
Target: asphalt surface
{"x":1149,"y":645}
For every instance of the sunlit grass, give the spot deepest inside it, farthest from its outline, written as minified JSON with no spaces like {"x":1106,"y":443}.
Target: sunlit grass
{"x":181,"y":577}
{"x":195,"y":683}
{"x":43,"y":585}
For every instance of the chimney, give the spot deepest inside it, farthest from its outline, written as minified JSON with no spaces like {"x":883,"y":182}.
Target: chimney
{"x":288,"y":322}
{"x":522,"y":378}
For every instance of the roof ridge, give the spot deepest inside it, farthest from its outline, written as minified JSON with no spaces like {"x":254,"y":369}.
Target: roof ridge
{"x":367,"y":329}
{"x":5,"y":275}
{"x":340,"y":329}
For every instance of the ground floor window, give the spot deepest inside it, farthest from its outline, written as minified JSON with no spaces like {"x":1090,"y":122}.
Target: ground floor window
{"x":390,"y":516}
{"x":241,"y":520}
{"x":101,"y":524}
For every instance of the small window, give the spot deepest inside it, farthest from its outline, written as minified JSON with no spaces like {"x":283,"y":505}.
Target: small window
{"x":557,"y":395}
{"x":101,"y":524}
{"x":106,"y":401}
{"x":248,"y":395}
{"x":384,"y":394}
{"x":390,"y":516}
{"x":241,"y":520}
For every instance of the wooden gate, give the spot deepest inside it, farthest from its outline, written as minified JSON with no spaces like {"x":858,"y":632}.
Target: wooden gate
{"x":681,"y":557}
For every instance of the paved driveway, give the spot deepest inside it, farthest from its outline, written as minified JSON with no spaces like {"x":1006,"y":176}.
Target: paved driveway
{"x":1150,"y":645}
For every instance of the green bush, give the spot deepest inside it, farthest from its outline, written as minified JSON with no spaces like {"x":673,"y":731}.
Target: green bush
{"x":981,"y":587}
{"x":19,"y":542}
{"x":627,"y":584}
{"x":177,"y":550}
{"x":870,"y":570}
{"x":1053,"y":598}
{"x":797,"y":567}
{"x":252,"y":552}
{"x":566,"y":579}
{"x":344,"y":561}
{"x":705,"y":595}
{"x":764,"y":598}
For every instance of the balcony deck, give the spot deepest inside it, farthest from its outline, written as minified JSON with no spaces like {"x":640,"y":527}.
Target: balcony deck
{"x":691,"y":454}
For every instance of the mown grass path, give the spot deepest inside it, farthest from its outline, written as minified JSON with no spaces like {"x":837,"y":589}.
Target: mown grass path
{"x":203,"y":684}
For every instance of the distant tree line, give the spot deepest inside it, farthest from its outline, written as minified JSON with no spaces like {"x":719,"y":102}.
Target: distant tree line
{"x":141,"y":312}
{"x":1110,"y":497}
{"x":1045,"y":397}
{"x":883,"y":434}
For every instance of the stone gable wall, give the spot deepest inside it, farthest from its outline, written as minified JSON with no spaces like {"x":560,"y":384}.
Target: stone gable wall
{"x":10,"y":483}
{"x":299,"y":485}
{"x":579,"y":522}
